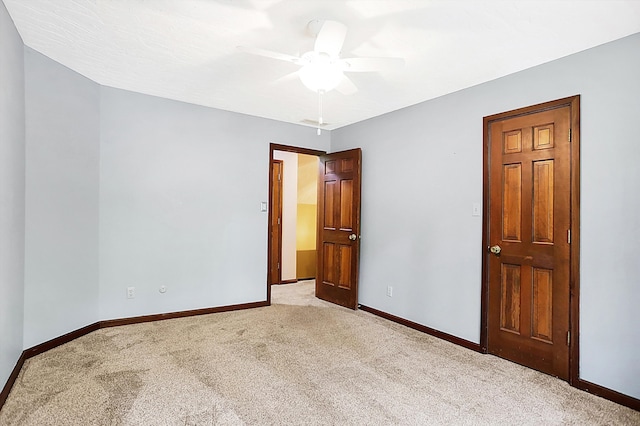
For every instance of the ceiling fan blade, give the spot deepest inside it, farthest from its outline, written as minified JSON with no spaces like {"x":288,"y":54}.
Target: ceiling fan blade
{"x":346,"y":86}
{"x":330,"y":38}
{"x":269,"y":54}
{"x":371,"y":64}
{"x":287,"y":78}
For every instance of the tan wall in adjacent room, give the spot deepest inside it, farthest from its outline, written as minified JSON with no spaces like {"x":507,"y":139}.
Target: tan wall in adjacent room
{"x":307,"y":216}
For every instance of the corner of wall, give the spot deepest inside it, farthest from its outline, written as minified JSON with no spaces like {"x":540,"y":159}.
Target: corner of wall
{"x":12,"y":194}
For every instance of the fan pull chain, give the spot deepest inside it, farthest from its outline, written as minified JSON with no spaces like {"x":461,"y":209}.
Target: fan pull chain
{"x":320,"y":121}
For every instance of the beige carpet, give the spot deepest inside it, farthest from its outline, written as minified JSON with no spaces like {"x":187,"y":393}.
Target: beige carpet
{"x":300,"y":361}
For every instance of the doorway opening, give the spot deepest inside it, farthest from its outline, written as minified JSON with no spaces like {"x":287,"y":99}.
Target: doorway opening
{"x":337,"y":230}
{"x":293,"y":174}
{"x":530,"y":267}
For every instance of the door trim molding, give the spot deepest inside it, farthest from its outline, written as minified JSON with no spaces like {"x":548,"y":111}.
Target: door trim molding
{"x":270,"y":203}
{"x":573,"y":103}
{"x":286,"y":148}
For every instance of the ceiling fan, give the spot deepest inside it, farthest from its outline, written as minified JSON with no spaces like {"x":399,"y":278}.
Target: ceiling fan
{"x":322,"y":69}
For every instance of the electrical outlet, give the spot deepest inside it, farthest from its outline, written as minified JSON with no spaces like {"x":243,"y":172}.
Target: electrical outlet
{"x":389,"y":291}
{"x":163,"y":289}
{"x":131,"y":292}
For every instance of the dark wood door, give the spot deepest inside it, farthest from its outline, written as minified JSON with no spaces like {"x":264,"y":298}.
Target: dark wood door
{"x":275,"y":273}
{"x":529,"y":234}
{"x":339,"y":227}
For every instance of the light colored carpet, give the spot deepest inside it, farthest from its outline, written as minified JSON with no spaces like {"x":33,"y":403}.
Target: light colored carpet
{"x":300,"y":361}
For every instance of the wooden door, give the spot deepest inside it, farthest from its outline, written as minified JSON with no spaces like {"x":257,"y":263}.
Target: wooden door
{"x":339,"y":227}
{"x":529,"y":219}
{"x":275,"y":273}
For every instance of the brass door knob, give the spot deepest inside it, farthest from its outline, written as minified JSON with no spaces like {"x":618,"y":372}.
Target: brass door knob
{"x":495,"y":249}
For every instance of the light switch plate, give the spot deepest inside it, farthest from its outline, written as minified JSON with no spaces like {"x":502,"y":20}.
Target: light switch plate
{"x":263,"y":206}
{"x":476,"y":209}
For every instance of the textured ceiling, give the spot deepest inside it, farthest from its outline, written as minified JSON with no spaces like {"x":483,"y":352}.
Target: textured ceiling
{"x":187,"y":49}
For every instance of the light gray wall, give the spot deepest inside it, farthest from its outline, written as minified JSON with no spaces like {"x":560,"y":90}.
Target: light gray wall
{"x":61,"y":242}
{"x":12,"y":163}
{"x":180,"y":193}
{"x":125,"y":189}
{"x":422,"y":172}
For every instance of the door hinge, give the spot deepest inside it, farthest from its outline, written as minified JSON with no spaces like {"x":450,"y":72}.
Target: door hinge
{"x":278,"y":265}
{"x":568,"y":338}
{"x":280,"y":177}
{"x":569,"y":236}
{"x":278,"y":221}
{"x":569,"y":135}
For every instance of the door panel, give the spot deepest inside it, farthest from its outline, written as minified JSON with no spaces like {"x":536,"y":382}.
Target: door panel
{"x":512,"y":202}
{"x":346,"y":255}
{"x":339,"y":230}
{"x":543,"y":201}
{"x":542,"y":305}
{"x":529,"y":215}
{"x":346,"y":205}
{"x":329,"y":203}
{"x":329,"y":266}
{"x":510,"y":298}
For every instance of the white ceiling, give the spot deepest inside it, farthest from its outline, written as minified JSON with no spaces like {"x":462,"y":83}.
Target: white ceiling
{"x":186,"y":49}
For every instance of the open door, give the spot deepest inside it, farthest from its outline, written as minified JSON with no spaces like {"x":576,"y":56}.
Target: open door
{"x":339,"y":227}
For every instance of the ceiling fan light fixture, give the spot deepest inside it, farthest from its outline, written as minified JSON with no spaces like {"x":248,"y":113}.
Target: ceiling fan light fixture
{"x":321,"y":76}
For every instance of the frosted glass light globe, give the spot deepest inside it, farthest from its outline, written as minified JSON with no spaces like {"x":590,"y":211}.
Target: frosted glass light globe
{"x":320,"y":74}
